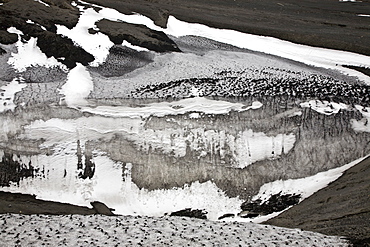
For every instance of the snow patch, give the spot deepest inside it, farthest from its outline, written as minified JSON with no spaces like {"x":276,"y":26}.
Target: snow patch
{"x":362,"y":125}
{"x":39,"y":1}
{"x":251,"y":147}
{"x":134,"y":47}
{"x":324,"y":107}
{"x":78,"y":86}
{"x":29,"y":54}
{"x":79,"y":230}
{"x":7,"y":94}
{"x":303,"y":186}
{"x":97,"y":44}
{"x":315,"y":56}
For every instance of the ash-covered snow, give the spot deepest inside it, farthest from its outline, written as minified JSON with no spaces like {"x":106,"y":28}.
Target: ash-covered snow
{"x":95,"y":230}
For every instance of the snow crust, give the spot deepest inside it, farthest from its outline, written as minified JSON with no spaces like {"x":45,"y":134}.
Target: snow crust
{"x":96,"y":230}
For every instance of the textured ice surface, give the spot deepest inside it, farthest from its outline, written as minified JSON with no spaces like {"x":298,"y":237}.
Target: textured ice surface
{"x":76,"y":230}
{"x":61,"y":183}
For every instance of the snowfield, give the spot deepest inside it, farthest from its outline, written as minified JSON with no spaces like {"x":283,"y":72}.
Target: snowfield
{"x":95,"y":230}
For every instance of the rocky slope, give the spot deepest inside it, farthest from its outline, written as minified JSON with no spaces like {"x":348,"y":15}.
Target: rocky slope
{"x":342,"y":208}
{"x":332,"y":24}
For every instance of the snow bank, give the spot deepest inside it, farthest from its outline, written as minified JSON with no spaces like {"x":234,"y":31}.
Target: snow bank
{"x":61,"y":183}
{"x":78,"y":86}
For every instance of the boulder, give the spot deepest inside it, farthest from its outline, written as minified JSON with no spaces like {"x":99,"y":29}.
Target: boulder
{"x":192,"y":213}
{"x":138,"y":35}
{"x":275,"y":203}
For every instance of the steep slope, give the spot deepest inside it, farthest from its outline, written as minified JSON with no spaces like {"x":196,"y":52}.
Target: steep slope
{"x":341,"y":25}
{"x":342,"y":208}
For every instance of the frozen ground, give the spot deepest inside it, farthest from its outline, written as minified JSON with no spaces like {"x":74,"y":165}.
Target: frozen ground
{"x":25,"y":230}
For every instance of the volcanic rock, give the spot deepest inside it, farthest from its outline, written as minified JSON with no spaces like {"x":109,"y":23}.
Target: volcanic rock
{"x":138,"y":35}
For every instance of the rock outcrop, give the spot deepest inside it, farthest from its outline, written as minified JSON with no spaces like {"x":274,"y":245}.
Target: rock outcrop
{"x":138,"y":35}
